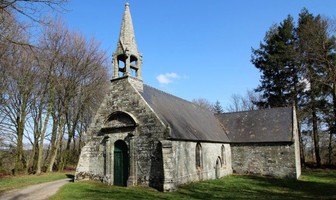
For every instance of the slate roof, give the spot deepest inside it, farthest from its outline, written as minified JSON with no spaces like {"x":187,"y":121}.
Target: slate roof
{"x":269,"y":125}
{"x":186,"y":120}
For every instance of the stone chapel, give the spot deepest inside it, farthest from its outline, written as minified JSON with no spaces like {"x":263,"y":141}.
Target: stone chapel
{"x":143,"y":136}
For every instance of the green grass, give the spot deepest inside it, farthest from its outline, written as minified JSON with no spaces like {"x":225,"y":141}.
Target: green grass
{"x":14,"y":182}
{"x":314,"y":184}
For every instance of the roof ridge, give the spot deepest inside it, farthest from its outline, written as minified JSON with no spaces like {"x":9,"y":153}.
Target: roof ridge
{"x":257,"y":110}
{"x":169,"y":94}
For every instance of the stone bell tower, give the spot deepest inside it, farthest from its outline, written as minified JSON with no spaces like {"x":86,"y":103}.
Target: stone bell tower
{"x":127,"y":59}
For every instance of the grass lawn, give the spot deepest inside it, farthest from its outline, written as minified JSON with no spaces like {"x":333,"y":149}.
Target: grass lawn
{"x":313,"y":184}
{"x":14,"y":182}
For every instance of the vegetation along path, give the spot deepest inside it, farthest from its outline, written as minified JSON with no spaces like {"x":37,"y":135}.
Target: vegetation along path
{"x":35,"y":192}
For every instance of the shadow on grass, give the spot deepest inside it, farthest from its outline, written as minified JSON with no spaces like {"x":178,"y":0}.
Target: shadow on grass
{"x":312,"y":186}
{"x":125,"y":194}
{"x":89,"y":189}
{"x":328,"y":174}
{"x":252,"y":187}
{"x":71,"y":176}
{"x":226,"y":188}
{"x":293,"y":189}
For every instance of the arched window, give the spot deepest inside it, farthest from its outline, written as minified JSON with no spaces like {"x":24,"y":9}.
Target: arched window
{"x":218,"y":166}
{"x":223,"y":155}
{"x":198,"y":156}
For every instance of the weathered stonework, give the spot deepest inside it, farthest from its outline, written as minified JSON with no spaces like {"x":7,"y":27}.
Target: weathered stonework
{"x":180,"y":162}
{"x":153,"y":160}
{"x":278,"y":159}
{"x":143,"y":136}
{"x":264,"y":159}
{"x":90,"y":165}
{"x":264,"y":142}
{"x":185,"y":163}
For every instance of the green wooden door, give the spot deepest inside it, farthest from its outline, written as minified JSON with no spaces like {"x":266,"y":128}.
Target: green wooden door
{"x":120,"y":163}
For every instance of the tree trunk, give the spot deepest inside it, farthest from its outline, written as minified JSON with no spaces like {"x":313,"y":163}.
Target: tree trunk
{"x":56,"y":146}
{"x":316,"y":139}
{"x":66,"y":154}
{"x":31,"y":165}
{"x":52,"y":142}
{"x":333,"y":126}
{"x":330,"y":149}
{"x":80,"y":140}
{"x":74,"y":149}
{"x":35,"y":156}
{"x":19,"y":164}
{"x":41,"y":145}
{"x":71,"y":133}
{"x":43,"y":132}
{"x":20,"y":160}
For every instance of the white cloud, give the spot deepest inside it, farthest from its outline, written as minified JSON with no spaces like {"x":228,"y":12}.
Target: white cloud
{"x":167,"y":77}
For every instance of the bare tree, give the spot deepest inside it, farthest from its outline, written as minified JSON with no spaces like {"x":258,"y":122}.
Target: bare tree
{"x":32,"y":9}
{"x":14,"y":44}
{"x":243,"y":103}
{"x":89,"y":82}
{"x":9,"y":31}
{"x":76,"y":84}
{"x":18,"y":79}
{"x":21,"y":80}
{"x":55,"y":84}
{"x":49,"y":57}
{"x":204,"y":104}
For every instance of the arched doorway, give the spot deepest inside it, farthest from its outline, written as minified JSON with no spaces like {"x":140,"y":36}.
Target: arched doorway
{"x":121,"y":160}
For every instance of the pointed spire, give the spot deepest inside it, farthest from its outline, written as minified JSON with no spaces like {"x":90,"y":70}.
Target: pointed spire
{"x":127,"y":37}
{"x":127,"y":51}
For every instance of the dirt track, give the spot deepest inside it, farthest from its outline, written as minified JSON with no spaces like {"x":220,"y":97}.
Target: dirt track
{"x":35,"y":192}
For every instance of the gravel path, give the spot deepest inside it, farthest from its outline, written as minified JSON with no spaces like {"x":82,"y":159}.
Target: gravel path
{"x":35,"y":192}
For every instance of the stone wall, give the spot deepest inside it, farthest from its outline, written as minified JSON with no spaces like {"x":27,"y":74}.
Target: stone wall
{"x":164,"y":164}
{"x":296,"y":144}
{"x":126,"y":106}
{"x":276,"y":160}
{"x":183,"y":169}
{"x":90,"y":164}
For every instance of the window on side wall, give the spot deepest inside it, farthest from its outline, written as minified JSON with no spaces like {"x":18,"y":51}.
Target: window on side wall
{"x":198,"y":156}
{"x":223,"y":155}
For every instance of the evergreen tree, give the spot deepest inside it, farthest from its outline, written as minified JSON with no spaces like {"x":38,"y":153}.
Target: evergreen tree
{"x":298,"y":66}
{"x":218,"y":107}
{"x":277,"y":61}
{"x":317,"y":49}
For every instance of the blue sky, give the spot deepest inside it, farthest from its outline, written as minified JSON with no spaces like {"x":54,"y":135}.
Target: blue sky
{"x":192,"y":48}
